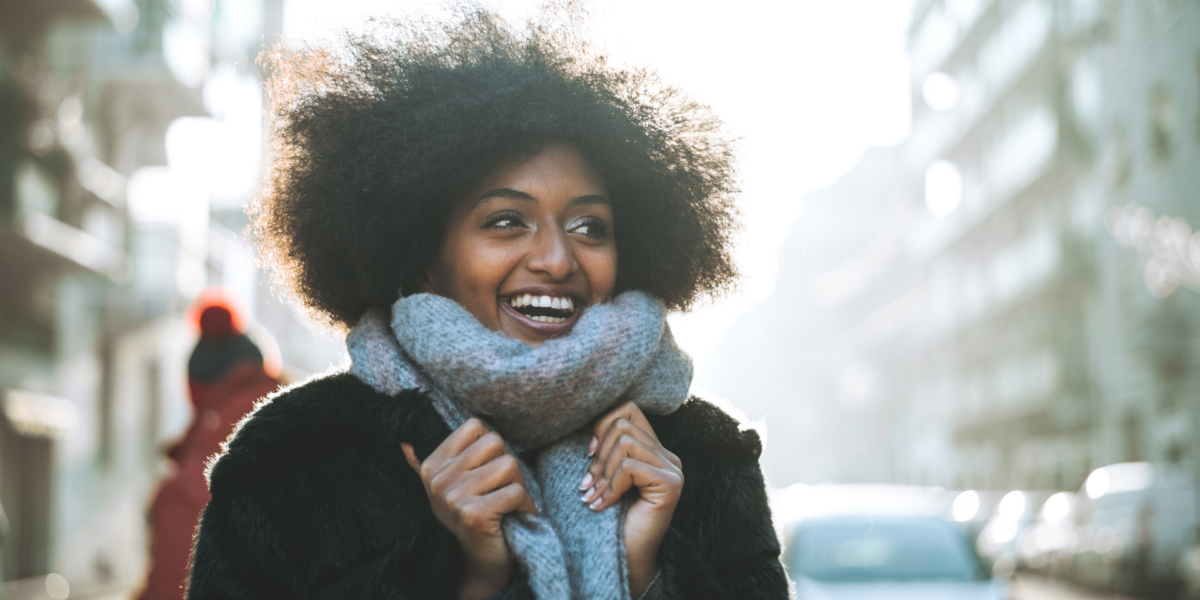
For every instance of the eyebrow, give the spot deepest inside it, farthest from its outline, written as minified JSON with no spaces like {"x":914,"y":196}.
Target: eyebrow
{"x":511,"y":194}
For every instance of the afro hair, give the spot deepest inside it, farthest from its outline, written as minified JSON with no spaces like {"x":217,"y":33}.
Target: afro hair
{"x":376,"y":136}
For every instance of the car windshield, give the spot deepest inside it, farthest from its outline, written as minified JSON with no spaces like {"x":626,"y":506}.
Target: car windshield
{"x":867,"y":549}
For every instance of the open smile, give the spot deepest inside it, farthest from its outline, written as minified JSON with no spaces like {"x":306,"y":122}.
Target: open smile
{"x":545,"y":314}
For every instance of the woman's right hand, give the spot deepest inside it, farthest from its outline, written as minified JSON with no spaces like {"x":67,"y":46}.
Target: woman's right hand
{"x":472,"y":482}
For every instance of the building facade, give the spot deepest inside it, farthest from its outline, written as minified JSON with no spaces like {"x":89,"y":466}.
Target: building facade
{"x":106,"y":236}
{"x":1008,"y":299}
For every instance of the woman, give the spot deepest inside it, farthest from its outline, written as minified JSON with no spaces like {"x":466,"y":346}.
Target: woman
{"x":514,"y":422}
{"x":227,"y":373}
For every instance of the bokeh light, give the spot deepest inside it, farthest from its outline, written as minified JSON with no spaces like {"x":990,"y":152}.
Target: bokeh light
{"x":966,"y":506}
{"x":943,"y":187}
{"x":1057,"y":507}
{"x":1098,"y":483}
{"x":940,"y":91}
{"x":1012,"y":505}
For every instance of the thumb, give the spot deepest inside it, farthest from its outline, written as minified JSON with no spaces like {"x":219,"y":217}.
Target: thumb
{"x":411,"y":456}
{"x":528,"y":506}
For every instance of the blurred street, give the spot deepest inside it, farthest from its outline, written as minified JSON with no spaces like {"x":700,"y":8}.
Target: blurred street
{"x":1028,"y":586}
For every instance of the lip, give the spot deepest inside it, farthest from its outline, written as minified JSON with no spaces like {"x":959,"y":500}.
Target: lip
{"x":540,"y":329}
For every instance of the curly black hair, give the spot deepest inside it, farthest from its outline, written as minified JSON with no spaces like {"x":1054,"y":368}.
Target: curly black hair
{"x":376,"y":136}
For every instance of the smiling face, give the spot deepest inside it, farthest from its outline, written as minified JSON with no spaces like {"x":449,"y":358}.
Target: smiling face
{"x":530,"y":247}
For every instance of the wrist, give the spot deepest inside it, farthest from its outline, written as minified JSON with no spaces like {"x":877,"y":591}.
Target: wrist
{"x":641,"y":576}
{"x":483,"y":580}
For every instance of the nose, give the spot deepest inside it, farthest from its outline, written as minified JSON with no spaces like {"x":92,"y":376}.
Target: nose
{"x":552,"y":254}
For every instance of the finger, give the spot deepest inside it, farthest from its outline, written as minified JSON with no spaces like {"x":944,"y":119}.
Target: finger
{"x":653,"y":483}
{"x":482,"y":451}
{"x":498,"y":473}
{"x":458,"y":482}
{"x":411,"y":456}
{"x":454,"y":444}
{"x":624,"y":429}
{"x":626,"y":447}
{"x":620,"y":430}
{"x":510,"y":498}
{"x":628,"y":411}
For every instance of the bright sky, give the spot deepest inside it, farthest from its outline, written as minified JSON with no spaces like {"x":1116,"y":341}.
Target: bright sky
{"x":805,"y":85}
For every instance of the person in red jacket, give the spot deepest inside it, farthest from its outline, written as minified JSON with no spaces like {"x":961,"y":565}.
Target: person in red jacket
{"x":226,"y":376}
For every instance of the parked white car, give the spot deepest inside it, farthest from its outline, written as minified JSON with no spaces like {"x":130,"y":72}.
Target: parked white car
{"x":1136,"y":525}
{"x":866,"y":546}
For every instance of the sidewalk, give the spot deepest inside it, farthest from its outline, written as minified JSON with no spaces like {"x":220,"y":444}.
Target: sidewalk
{"x":1031,"y":586}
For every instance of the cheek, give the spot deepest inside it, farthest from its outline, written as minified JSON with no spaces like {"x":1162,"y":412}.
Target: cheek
{"x":482,"y":275}
{"x":600,"y":266}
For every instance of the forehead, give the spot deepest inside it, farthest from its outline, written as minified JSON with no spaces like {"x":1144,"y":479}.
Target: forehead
{"x":558,"y":171}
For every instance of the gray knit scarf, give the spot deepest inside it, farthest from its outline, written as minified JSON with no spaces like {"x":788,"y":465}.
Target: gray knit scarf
{"x":541,"y":401}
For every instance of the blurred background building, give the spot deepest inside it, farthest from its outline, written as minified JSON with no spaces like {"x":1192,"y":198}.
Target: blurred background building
{"x":115,"y":212}
{"x":1009,"y":298}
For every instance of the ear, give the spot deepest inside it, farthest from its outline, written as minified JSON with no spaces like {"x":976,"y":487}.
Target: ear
{"x":424,"y":283}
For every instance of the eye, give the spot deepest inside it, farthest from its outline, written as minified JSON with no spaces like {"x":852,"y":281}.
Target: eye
{"x":505,"y":219}
{"x":592,"y":227}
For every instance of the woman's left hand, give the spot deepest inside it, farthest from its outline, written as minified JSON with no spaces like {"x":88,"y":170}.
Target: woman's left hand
{"x":626,"y":454}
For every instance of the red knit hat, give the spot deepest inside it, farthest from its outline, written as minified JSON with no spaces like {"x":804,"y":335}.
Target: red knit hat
{"x":223,"y":344}
{"x":217,"y":313}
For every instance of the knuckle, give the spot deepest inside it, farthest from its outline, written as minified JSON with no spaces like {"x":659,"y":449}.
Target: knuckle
{"x":454,"y":501}
{"x":612,"y":466}
{"x":428,"y":469}
{"x":491,"y":440}
{"x":518,"y":489}
{"x":439,"y":484}
{"x":475,"y":518}
{"x":507,"y":463}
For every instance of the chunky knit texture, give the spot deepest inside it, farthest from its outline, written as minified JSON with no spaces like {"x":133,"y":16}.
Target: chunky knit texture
{"x":540,"y":400}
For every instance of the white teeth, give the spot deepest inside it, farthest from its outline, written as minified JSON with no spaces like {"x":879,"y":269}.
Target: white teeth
{"x":544,"y":319}
{"x":523,"y":300}
{"x":564,"y":303}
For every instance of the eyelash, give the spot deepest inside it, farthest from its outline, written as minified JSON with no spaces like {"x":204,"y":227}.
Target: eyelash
{"x":507,"y":215}
{"x":598,"y":229}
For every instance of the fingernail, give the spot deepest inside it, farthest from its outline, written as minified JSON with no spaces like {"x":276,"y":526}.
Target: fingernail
{"x":592,"y":446}
{"x":595,"y":505}
{"x":587,"y":481}
{"x":587,"y":496}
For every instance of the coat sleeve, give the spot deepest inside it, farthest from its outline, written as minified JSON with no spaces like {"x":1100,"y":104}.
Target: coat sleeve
{"x":306,"y":505}
{"x":245,"y":551}
{"x":721,"y":544}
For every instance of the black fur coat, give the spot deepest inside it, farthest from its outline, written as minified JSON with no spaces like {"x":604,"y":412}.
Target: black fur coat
{"x":313,"y":499}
